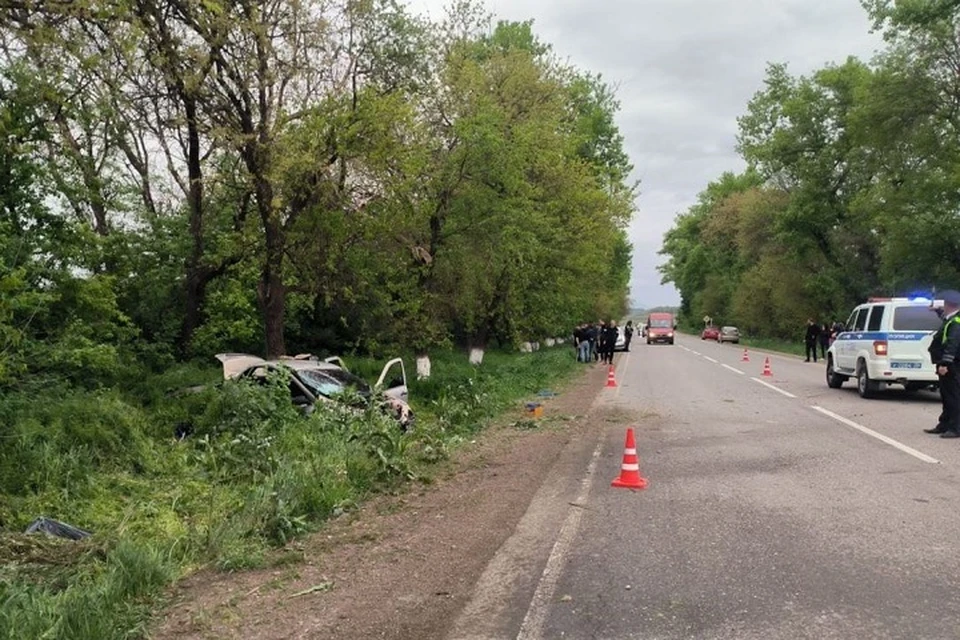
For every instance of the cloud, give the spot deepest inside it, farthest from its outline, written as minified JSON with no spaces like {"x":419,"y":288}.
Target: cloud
{"x":684,"y":71}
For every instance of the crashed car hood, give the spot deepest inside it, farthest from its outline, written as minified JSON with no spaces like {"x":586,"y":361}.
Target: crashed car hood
{"x":236,"y":363}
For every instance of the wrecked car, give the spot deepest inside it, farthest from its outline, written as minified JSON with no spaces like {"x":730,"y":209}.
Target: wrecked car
{"x":313,"y":380}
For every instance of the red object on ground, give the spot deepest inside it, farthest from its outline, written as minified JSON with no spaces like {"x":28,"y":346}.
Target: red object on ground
{"x":630,"y":477}
{"x":611,"y":380}
{"x":767,"y":372}
{"x":746,"y":356}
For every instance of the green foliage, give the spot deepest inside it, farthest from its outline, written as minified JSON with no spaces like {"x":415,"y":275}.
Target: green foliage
{"x":851,"y":190}
{"x":254,"y":474}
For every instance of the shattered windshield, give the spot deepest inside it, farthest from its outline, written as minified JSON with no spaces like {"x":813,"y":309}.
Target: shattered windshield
{"x":330,"y":382}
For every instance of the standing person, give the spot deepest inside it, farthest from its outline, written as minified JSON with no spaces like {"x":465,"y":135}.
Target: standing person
{"x":824,"y":338}
{"x":835,"y":331}
{"x":945,"y":353}
{"x":627,"y":335}
{"x":610,"y":334}
{"x":590,"y":332}
{"x":810,"y":340}
{"x":597,"y":345}
{"x":583,"y":346}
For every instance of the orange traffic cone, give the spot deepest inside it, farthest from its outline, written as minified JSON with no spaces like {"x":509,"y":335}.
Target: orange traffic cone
{"x":746,"y":356}
{"x":630,"y":477}
{"x":767,"y":372}
{"x":611,"y":380}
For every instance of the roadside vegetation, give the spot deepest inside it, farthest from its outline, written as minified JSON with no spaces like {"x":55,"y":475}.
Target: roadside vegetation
{"x":852,"y":188}
{"x":254,"y":474}
{"x":180,"y":179}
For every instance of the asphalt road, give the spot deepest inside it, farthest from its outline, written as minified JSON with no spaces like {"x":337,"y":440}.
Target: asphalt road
{"x":777,"y":509}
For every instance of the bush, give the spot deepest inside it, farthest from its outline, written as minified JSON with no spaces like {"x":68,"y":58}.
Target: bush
{"x":254,"y":474}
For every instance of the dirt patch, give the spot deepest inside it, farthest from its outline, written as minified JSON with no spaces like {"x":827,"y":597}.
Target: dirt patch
{"x":402,"y":566}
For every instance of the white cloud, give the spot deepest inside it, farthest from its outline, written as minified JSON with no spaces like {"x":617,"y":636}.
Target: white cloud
{"x":685,"y":70}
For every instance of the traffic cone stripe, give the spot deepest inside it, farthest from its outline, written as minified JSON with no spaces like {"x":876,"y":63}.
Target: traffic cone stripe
{"x":630,"y":477}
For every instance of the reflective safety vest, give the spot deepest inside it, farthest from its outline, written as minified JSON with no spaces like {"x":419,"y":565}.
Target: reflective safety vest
{"x":946,"y":327}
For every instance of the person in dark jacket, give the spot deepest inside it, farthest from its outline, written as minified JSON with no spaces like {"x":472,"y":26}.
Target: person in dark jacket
{"x":824,"y":338}
{"x":610,"y":334}
{"x":810,"y":339}
{"x":945,"y":353}
{"x":627,"y":335}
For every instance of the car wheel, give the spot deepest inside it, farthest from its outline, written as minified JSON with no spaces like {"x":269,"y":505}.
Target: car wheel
{"x":834,"y":379}
{"x":866,"y":387}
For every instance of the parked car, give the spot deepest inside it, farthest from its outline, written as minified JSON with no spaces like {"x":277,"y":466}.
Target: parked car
{"x":710,"y":333}
{"x":621,"y":343}
{"x":729,"y":334}
{"x":313,"y":380}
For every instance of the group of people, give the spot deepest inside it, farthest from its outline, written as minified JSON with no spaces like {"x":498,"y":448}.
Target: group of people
{"x":822,"y":336}
{"x":597,"y":342}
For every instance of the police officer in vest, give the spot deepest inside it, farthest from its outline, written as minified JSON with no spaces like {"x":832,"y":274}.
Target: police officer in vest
{"x":945,"y":354}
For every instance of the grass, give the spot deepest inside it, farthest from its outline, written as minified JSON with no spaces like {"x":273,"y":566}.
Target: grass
{"x":766,"y":344}
{"x":776,"y":345}
{"x":254,"y":474}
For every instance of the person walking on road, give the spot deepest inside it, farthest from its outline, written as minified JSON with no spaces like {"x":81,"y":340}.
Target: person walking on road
{"x":945,"y":353}
{"x":811,"y":338}
{"x":627,"y":335}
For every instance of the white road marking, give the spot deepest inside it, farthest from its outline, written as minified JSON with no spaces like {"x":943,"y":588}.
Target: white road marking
{"x":709,"y":359}
{"x":879,"y":436}
{"x":696,"y":353}
{"x":775,"y":388}
{"x":623,"y":375}
{"x":533,"y":622}
{"x":729,"y":368}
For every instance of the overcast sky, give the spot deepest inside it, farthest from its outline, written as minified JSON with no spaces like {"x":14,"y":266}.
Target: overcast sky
{"x":684,"y":71}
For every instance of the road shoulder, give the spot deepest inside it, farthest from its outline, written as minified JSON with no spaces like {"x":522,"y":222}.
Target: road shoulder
{"x":403,"y":565}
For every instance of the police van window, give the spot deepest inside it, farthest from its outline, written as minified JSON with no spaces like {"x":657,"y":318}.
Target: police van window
{"x":861,"y":320}
{"x":915,"y":318}
{"x":851,"y":321}
{"x":876,"y":318}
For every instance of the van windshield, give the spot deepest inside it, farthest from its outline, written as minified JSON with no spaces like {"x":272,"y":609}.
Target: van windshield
{"x":915,"y":319}
{"x":661,"y":323}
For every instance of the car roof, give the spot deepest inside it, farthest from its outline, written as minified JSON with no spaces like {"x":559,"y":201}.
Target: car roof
{"x":235,"y":364}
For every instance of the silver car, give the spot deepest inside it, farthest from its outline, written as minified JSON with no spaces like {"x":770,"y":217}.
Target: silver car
{"x":729,"y":334}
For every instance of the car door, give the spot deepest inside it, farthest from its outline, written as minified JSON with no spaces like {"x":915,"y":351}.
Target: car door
{"x":393,"y":379}
{"x":848,"y":342}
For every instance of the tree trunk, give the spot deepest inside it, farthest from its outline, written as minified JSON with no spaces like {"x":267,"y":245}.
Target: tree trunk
{"x":271,"y":292}
{"x":196,"y":281}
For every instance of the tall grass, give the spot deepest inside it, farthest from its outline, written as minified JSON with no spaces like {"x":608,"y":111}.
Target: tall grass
{"x":254,"y":474}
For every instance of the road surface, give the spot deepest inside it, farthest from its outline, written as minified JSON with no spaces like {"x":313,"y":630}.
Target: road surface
{"x":777,"y":509}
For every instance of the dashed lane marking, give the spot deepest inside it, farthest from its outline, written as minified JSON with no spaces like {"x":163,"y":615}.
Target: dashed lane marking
{"x":919,"y":455}
{"x":775,"y":388}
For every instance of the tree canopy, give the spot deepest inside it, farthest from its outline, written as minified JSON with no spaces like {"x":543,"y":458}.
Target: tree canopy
{"x":184,"y":177}
{"x":852,"y":187}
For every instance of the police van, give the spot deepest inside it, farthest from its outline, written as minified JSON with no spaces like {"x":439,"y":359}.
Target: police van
{"x":885,"y":342}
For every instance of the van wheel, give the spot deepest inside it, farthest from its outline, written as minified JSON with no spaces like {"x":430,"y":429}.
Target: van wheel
{"x":834,"y":379}
{"x":866,"y":387}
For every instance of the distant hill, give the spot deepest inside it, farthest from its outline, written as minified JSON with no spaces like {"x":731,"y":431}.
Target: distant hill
{"x":636,"y":313}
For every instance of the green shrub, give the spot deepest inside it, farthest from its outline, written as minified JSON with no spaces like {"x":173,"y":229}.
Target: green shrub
{"x":254,"y":474}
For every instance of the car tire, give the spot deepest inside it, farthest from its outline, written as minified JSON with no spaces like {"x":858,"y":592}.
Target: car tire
{"x":866,"y":387}
{"x":834,"y":379}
